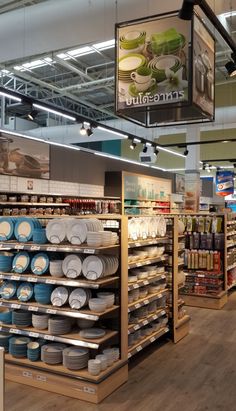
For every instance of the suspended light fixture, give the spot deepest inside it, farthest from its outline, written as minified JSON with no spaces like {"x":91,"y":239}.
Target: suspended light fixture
{"x":31,"y":116}
{"x":145,"y":148}
{"x":132,"y":145}
{"x":186,"y":151}
{"x":83,"y":130}
{"x":186,"y":11}
{"x":89,"y":131}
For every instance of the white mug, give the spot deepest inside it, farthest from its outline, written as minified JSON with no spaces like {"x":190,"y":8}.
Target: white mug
{"x":145,"y":86}
{"x":140,"y":78}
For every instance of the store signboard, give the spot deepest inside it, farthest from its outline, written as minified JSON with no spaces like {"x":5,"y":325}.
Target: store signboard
{"x":224,"y":183}
{"x":23,"y":157}
{"x":164,"y":71}
{"x":146,"y":188}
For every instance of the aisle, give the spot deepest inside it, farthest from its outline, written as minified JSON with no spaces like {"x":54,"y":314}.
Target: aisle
{"x":198,"y":374}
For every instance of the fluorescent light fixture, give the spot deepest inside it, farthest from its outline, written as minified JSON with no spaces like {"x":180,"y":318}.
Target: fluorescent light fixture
{"x":105,"y":45}
{"x":137,"y":140}
{"x":49,"y":110}
{"x":121,"y":159}
{"x":10,"y":96}
{"x":226,"y":167}
{"x":86,"y":123}
{"x":80,"y":51}
{"x":225,"y":141}
{"x":62,"y":56}
{"x":159,"y":168}
{"x":112,"y":131}
{"x":171,"y":152}
{"x":148,"y":144}
{"x":175,"y":169}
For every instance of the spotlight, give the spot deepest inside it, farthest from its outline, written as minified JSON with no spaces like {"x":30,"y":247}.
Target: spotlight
{"x":83,"y":130}
{"x":218,"y":168}
{"x":89,"y":131}
{"x":132,"y":145}
{"x":204,"y":166}
{"x":156,"y":151}
{"x":31,"y":116}
{"x":231,"y":68}
{"x":144,"y":148}
{"x":234,"y":165}
{"x":186,"y":151}
{"x":186,"y":11}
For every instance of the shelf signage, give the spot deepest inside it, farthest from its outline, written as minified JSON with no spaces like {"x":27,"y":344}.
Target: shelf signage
{"x":224,"y":183}
{"x":164,"y":70}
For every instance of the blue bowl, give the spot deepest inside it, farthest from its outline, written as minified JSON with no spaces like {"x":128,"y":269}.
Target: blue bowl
{"x":39,"y":236}
{"x":5,"y":315}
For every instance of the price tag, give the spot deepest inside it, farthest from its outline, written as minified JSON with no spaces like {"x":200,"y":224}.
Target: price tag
{"x":50,"y":281}
{"x":136,"y":327}
{"x":35,"y":248}
{"x":137,"y":305}
{"x":139,"y":264}
{"x":135,"y":286}
{"x":15,"y":277}
{"x":160,"y":296}
{"x":201,"y":275}
{"x":19,"y":247}
{"x":146,"y":302}
{"x":163,"y":312}
{"x":155,"y":317}
{"x":139,"y":348}
{"x":16,"y":306}
{"x":145,"y":322}
{"x":152,"y":339}
{"x":14,"y":331}
{"x":137,"y":244}
{"x":49,"y":337}
{"x":50,"y":311}
{"x":33,"y":335}
{"x":88,"y":251}
{"x":51,"y":249}
{"x":148,"y":262}
{"x":32,"y":280}
{"x":146,"y":282}
{"x":31,"y":308}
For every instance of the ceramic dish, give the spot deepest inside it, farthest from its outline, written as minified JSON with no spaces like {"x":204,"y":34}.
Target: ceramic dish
{"x":40,"y":263}
{"x":21,"y":262}
{"x":25,"y":292}
{"x":6,"y":228}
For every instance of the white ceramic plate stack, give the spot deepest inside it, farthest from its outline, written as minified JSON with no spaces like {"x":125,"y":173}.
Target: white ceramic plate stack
{"x":75,"y":358}
{"x":107,"y":297}
{"x":94,"y":367}
{"x":59,"y":296}
{"x":92,"y":333}
{"x":97,"y":305}
{"x":79,"y":298}
{"x":93,"y":224}
{"x":76,"y":231}
{"x":55,"y":268}
{"x":52,"y":353}
{"x":107,"y":238}
{"x":56,"y":231}
{"x":95,"y":267}
{"x":40,"y":321}
{"x":72,"y":265}
{"x":59,"y":325}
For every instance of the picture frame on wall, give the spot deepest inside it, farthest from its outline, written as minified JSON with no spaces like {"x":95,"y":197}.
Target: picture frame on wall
{"x":179,"y":183}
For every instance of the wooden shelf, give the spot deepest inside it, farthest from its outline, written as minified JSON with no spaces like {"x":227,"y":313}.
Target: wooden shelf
{"x":146,"y":341}
{"x":72,"y":338}
{"x":139,"y":206}
{"x":65,"y":311}
{"x":152,"y":317}
{"x":146,"y":281}
{"x":230,"y":267}
{"x":47,"y":279}
{"x":189,"y":274}
{"x":215,"y":296}
{"x":231,"y":286}
{"x":142,"y":243}
{"x":145,"y":301}
{"x":182,"y":321}
{"x":19,"y":203}
{"x":66,"y":248}
{"x":147,"y":261}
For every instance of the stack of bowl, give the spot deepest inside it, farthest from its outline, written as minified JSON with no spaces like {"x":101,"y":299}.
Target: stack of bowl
{"x":103,"y":359}
{"x":18,"y":346}
{"x":21,"y":318}
{"x":4,"y":341}
{"x":33,"y":351}
{"x":55,"y":268}
{"x":107,"y":297}
{"x":52,"y":353}
{"x":40,"y":321}
{"x":94,"y":239}
{"x":5,"y":315}
{"x":6,"y":261}
{"x":133,"y":41}
{"x":59,"y":325}
{"x":94,"y":367}
{"x":39,"y":236}
{"x":97,"y":305}
{"x":75,"y":358}
{"x":42,"y":293}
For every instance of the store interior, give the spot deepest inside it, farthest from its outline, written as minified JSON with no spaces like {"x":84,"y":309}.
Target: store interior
{"x":117,"y":205}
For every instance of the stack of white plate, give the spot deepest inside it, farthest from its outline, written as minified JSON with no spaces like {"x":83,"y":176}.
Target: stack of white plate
{"x":76,"y":231}
{"x":59,"y":296}
{"x":95,"y":267}
{"x":84,"y":323}
{"x":75,"y":358}
{"x":40,"y":321}
{"x":97,"y":305}
{"x":92,"y":333}
{"x":93,"y":224}
{"x":56,"y":231}
{"x":108,"y":297}
{"x":72,"y":265}
{"x":79,"y":298}
{"x":94,"y":367}
{"x":107,"y":238}
{"x":55,"y":268}
{"x":52,"y":353}
{"x":59,"y":325}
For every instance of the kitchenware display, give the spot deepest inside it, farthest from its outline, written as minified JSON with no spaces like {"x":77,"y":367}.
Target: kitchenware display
{"x":79,"y":298}
{"x":59,"y":325}
{"x":103,"y":359}
{"x":52,"y":354}
{"x":111,"y":355}
{"x":75,"y":358}
{"x":94,"y":367}
{"x":72,"y":265}
{"x":56,"y":231}
{"x":7,"y":225}
{"x":159,"y":65}
{"x":25,"y":291}
{"x":18,"y":346}
{"x":5,"y":315}
{"x":107,"y":297}
{"x":167,"y":42}
{"x":6,"y":260}
{"x":97,"y":305}
{"x":40,"y":321}
{"x":33,"y":351}
{"x":92,"y":333}
{"x":59,"y":296}
{"x":129,"y":63}
{"x":8,"y":289}
{"x":148,"y":227}
{"x":55,"y":268}
{"x":39,"y":236}
{"x":76,"y":231}
{"x":40,"y":263}
{"x":150,"y":88}
{"x":142,"y":254}
{"x":21,"y":262}
{"x":93,"y":224}
{"x":42,"y":293}
{"x":84,"y":323}
{"x":24,"y":228}
{"x":132,"y":40}
{"x":95,"y":267}
{"x":94,"y":239}
{"x":21,"y":318}
{"x":4,"y":341}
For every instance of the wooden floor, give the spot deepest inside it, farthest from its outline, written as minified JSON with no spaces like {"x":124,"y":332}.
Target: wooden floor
{"x":197,"y":374}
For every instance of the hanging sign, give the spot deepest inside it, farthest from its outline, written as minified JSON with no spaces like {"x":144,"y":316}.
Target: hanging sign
{"x":164,"y":71}
{"x":224,"y":183}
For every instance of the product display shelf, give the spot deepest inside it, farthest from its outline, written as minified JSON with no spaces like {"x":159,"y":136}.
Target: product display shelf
{"x":93,"y":389}
{"x":144,"y":342}
{"x":147,"y":261}
{"x":142,"y":283}
{"x":230,"y":259}
{"x":142,"y":243}
{"x":149,"y":318}
{"x":145,"y":301}
{"x":47,"y":279}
